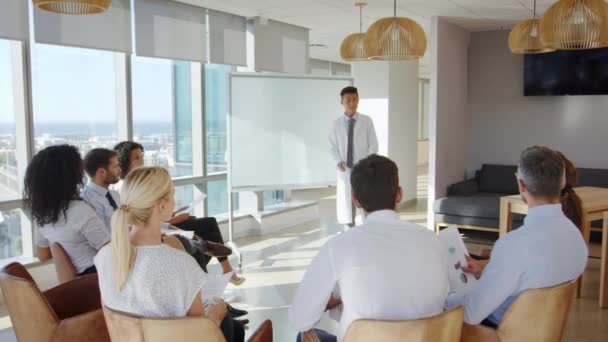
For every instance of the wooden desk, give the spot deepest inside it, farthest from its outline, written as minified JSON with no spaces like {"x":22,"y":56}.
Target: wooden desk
{"x":595,"y":207}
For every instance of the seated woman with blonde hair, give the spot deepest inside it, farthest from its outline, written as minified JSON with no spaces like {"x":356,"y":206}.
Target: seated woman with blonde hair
{"x":140,"y":275}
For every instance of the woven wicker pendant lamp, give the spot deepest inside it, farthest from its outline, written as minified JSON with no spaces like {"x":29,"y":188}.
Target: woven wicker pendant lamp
{"x":73,"y":6}
{"x":353,"y":46}
{"x":575,"y":25}
{"x":525,"y":37}
{"x":395,"y":39}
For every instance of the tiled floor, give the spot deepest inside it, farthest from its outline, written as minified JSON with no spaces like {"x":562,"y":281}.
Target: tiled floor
{"x":274,"y":264}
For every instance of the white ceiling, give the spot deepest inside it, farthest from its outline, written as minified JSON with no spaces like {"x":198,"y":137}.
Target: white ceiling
{"x":332,"y":20}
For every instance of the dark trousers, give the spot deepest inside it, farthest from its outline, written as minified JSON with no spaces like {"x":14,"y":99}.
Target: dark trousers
{"x":233,"y":331}
{"x":205,"y":228}
{"x":90,"y":270}
{"x":323,"y":336}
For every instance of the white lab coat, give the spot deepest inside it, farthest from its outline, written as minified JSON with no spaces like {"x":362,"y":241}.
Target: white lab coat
{"x":365,"y":143}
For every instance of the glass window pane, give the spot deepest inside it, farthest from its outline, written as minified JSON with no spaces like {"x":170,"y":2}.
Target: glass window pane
{"x":74,"y":97}
{"x":217,"y":198}
{"x":162,"y":113}
{"x":273,"y":197}
{"x":9,"y":179}
{"x":217,"y":95}
{"x":11,"y":242}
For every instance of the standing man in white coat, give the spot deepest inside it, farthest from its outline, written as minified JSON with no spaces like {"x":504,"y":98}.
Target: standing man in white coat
{"x":353,"y":138}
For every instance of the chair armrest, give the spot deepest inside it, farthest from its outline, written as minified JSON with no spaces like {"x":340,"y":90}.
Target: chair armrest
{"x":263,"y":333}
{"x":75,"y":297}
{"x":89,"y":327}
{"x":465,"y":188}
{"x":478,"y":333}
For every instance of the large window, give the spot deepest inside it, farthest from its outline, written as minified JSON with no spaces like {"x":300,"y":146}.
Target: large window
{"x":162,"y":113}
{"x":74,"y":97}
{"x":423,"y":109}
{"x":217,"y":102}
{"x":9,"y":179}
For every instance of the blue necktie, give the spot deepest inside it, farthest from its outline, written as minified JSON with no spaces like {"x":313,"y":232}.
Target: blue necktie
{"x":111,"y":200}
{"x":349,"y":151}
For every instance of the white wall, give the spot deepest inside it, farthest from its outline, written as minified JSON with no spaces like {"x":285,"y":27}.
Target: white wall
{"x":448,"y":121}
{"x":388,"y":93}
{"x":502,"y":121}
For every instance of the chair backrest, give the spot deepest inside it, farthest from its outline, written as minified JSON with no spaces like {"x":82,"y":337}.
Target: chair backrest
{"x":63,"y":264}
{"x":445,"y":327}
{"x":32,"y":317}
{"x":538,"y":315}
{"x":124,"y":327}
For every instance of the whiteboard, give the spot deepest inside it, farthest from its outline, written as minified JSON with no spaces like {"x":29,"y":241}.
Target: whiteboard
{"x":278,"y":130}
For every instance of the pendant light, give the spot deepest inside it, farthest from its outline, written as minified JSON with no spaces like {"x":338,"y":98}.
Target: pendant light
{"x":395,"y":39}
{"x":353,"y":46}
{"x":73,"y":6}
{"x":525,"y":37}
{"x":575,"y":25}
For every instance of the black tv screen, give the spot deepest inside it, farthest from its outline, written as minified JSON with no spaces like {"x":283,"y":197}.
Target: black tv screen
{"x":580,"y":72}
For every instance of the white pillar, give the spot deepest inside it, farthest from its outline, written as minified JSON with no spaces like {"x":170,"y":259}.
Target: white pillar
{"x":388,"y":92}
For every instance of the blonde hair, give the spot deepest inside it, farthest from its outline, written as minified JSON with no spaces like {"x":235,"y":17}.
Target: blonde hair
{"x":143,"y":188}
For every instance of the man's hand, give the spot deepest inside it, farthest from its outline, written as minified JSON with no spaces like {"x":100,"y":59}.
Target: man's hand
{"x":310,"y":336}
{"x":342,"y":167}
{"x":180,"y":210}
{"x":179,"y":218}
{"x":332,"y":303}
{"x":475,"y":267}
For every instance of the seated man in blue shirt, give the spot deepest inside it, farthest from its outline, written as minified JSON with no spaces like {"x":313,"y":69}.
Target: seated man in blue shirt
{"x":103,"y":169}
{"x":547,"y":250}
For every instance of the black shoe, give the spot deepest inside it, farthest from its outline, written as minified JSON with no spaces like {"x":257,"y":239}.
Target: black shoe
{"x":243,"y":322}
{"x":234,"y":312}
{"x":217,"y":250}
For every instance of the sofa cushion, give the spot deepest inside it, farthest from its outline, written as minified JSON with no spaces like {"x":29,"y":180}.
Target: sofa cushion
{"x":482,"y":204}
{"x":498,"y":179}
{"x":592,"y":177}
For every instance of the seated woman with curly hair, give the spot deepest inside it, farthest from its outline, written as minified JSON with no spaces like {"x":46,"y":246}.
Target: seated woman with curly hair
{"x":52,"y":191}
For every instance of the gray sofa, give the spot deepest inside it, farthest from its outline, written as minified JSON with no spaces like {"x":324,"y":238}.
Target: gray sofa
{"x":475,"y":203}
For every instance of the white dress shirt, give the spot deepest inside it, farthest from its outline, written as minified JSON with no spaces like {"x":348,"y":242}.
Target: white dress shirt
{"x":385,"y":269}
{"x":95,"y":195}
{"x":547,"y":250}
{"x":80,"y":232}
{"x":365,"y":141}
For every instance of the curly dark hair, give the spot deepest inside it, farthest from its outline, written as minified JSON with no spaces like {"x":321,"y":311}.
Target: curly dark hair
{"x":124,"y":149}
{"x":53,"y":178}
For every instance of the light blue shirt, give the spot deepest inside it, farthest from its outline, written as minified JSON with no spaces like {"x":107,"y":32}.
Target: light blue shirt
{"x":95,"y":195}
{"x":547,"y":250}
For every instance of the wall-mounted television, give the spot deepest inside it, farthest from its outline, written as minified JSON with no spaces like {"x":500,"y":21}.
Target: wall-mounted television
{"x":580,"y":72}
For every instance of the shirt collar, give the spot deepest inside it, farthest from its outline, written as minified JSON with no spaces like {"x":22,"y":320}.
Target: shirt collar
{"x":546,"y":210}
{"x":382,"y":216}
{"x":356,"y":117}
{"x":98,"y":189}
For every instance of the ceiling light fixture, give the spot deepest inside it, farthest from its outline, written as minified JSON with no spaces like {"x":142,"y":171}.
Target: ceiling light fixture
{"x":525,"y":37}
{"x":353,"y":46}
{"x":395,"y":39}
{"x":73,"y":6}
{"x":575,"y":25}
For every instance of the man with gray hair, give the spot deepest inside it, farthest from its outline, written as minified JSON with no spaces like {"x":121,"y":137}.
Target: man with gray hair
{"x":547,"y":250}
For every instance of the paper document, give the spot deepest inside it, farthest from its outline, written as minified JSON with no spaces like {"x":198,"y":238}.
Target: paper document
{"x":460,"y":282}
{"x":215,"y":285}
{"x":195,"y":203}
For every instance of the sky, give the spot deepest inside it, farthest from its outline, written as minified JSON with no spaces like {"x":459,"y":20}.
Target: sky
{"x":78,"y":86}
